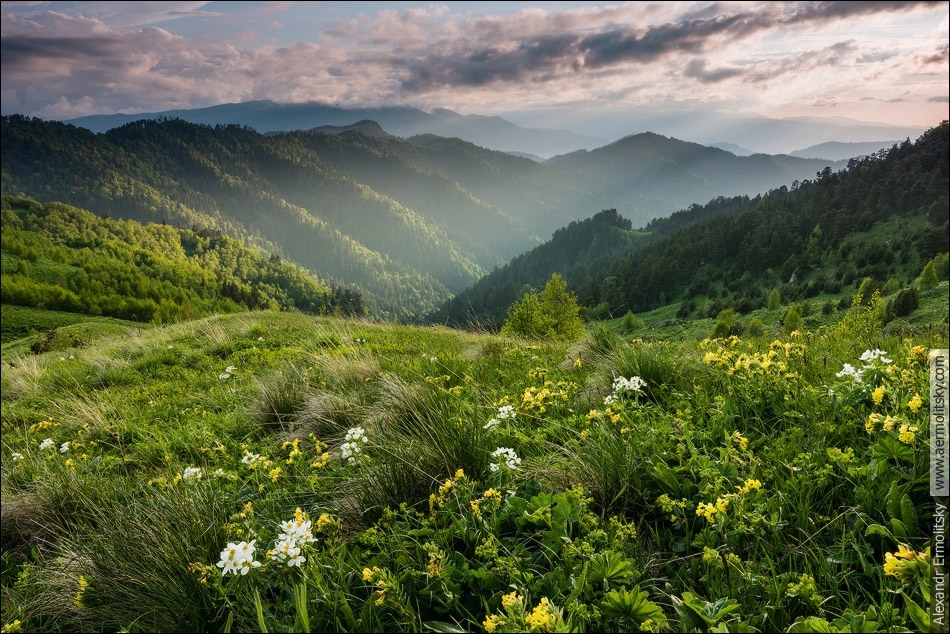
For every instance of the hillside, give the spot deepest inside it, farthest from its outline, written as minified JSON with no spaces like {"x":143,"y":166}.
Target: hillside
{"x":361,"y":477}
{"x":883,"y":218}
{"x":409,"y":223}
{"x":61,"y":258}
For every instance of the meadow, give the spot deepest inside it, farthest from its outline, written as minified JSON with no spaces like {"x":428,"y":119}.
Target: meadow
{"x":272,"y":471}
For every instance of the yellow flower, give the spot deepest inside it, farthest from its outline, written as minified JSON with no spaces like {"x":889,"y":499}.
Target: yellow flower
{"x":274,"y":474}
{"x":906,"y":434}
{"x":707,"y":510}
{"x":14,"y":626}
{"x":541,"y":617}
{"x":750,"y":485}
{"x":872,"y":422}
{"x":510,"y":599}
{"x":914,"y":403}
{"x":493,"y":622}
{"x":878,"y":395}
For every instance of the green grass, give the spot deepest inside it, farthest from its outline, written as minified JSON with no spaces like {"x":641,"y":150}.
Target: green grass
{"x":738,"y":489}
{"x":21,"y":322}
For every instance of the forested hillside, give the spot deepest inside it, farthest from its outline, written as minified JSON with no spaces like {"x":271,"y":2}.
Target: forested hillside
{"x":62,"y":258}
{"x":410,"y":223}
{"x":882,"y":218}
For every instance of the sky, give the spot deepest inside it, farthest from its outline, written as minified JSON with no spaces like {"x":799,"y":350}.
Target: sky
{"x":560,"y":64}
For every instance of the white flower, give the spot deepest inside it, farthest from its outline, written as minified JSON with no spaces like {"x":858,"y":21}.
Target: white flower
{"x":191,"y":472}
{"x":250,"y":458}
{"x":260,"y":338}
{"x":610,"y":398}
{"x":47,"y":444}
{"x":508,"y":458}
{"x":297,"y":531}
{"x":227,"y":372}
{"x":63,"y":448}
{"x":286,"y":551}
{"x":492,"y":422}
{"x":221,"y":377}
{"x":869,"y":356}
{"x":354,"y":441}
{"x":849,"y":370}
{"x":506,"y":412}
{"x":633,"y":384}
{"x":16,"y":455}
{"x":238,"y":558}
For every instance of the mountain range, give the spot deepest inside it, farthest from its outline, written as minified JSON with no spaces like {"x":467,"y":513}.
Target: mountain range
{"x":407,"y":222}
{"x":762,"y":135}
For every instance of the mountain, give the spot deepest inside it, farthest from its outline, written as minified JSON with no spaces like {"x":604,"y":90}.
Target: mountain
{"x":883,"y":218}
{"x":650,"y":172}
{"x":268,"y":116}
{"x":836,"y":151}
{"x":408,"y":223}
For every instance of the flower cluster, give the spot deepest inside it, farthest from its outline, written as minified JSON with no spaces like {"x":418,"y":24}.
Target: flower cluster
{"x":191,"y":473}
{"x":505,"y":412}
{"x":870,"y":358}
{"x":353,"y":443}
{"x":228,"y":371}
{"x":712,"y":511}
{"x":295,"y":532}
{"x":623,"y":386}
{"x":238,"y":558}
{"x":906,"y":564}
{"x":506,"y":457}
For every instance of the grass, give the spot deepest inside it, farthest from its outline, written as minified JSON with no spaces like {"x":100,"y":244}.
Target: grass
{"x":745,"y":486}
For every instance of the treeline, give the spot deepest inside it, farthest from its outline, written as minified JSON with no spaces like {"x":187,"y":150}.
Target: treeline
{"x":799,"y":240}
{"x":59,"y":257}
{"x":881,"y":218}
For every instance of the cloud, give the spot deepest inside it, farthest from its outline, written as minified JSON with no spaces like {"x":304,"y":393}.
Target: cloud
{"x":115,"y":58}
{"x":939,"y":57}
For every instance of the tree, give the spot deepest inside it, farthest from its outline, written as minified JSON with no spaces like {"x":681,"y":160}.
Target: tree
{"x":775,"y":299}
{"x":553,"y":313}
{"x":928,"y":277}
{"x":793,"y":319}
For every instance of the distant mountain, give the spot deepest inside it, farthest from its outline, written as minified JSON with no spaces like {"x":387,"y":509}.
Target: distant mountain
{"x":821,"y":236}
{"x":738,"y":150}
{"x":837,"y":151}
{"x":649,"y":173}
{"x":365,"y":126}
{"x":267,"y":116}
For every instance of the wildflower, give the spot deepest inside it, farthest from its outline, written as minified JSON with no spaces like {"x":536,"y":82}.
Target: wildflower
{"x":915,"y":403}
{"x":849,"y":370}
{"x":872,"y":422}
{"x":16,"y":455}
{"x":907,"y":433}
{"x":63,"y":448}
{"x":740,"y":440}
{"x":237,"y":558}
{"x":508,"y":458}
{"x":750,"y":485}
{"x":541,"y":617}
{"x":83,"y":584}
{"x":250,"y":458}
{"x":707,"y":510}
{"x":274,"y":474}
{"x":869,"y":356}
{"x":353,"y":443}
{"x":298,"y":529}
{"x":492,"y":623}
{"x":287,"y":552}
{"x":878,"y":395}
{"x":13,"y":626}
{"x":509,"y":600}
{"x":906,"y":564}
{"x":227,"y":372}
{"x":47,"y":444}
{"x":191,"y":473}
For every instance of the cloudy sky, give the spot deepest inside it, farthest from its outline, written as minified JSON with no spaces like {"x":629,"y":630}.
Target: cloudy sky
{"x":551,"y":62}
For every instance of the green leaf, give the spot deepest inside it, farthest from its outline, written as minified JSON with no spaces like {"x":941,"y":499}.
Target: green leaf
{"x":917,"y":614}
{"x":442,"y":626}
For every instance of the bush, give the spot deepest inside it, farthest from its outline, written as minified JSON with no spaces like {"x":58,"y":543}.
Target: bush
{"x":552,"y":314}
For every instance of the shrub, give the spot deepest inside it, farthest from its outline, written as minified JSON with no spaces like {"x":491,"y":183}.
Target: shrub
{"x":553,"y":314}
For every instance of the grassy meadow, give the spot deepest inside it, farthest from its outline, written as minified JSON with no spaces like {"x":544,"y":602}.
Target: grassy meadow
{"x":271,"y":471}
